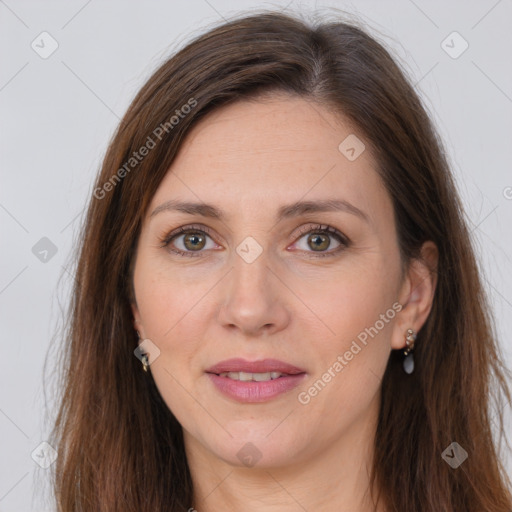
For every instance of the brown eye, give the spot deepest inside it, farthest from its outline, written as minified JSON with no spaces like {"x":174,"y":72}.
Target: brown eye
{"x":315,"y":240}
{"x":319,"y":241}
{"x":189,"y":241}
{"x":194,"y":241}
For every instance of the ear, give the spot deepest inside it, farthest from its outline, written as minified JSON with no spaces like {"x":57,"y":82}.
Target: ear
{"x":137,"y":324}
{"x":416,"y":294}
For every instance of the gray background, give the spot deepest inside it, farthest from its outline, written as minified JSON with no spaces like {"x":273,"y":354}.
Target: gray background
{"x":58,"y":113}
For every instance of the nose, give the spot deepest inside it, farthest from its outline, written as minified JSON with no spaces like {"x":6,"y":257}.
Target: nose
{"x":254,"y":300}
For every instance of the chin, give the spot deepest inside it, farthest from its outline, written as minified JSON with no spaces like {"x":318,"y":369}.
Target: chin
{"x":258,"y":451}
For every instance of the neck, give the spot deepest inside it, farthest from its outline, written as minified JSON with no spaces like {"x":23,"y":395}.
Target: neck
{"x":335,"y":479}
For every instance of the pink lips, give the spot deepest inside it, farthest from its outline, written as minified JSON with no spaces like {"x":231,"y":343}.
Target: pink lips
{"x":266,"y":365}
{"x":246,"y":392}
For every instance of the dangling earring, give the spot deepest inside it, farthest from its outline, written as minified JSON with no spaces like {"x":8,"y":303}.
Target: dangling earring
{"x":145,"y":362}
{"x":144,"y":358}
{"x":410,"y":338}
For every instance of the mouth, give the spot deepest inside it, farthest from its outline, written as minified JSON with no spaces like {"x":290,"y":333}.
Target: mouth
{"x":253,"y":377}
{"x":256,"y":381}
{"x":239,"y":365}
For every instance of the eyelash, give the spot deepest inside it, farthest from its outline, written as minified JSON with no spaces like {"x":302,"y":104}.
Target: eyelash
{"x":315,"y":228}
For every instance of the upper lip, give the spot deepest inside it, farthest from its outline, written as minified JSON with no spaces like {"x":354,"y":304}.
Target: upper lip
{"x":263,"y":366}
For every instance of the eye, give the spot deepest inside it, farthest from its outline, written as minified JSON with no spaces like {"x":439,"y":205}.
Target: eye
{"x":318,"y":239}
{"x":314,"y":239}
{"x":188,"y":241}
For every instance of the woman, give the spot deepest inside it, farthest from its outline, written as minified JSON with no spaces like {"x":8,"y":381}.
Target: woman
{"x":277,"y":305}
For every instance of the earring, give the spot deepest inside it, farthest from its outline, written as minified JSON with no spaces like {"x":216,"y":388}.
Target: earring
{"x":144,"y":358}
{"x":145,"y":362}
{"x":410,"y":338}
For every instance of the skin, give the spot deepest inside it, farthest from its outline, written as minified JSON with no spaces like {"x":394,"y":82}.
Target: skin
{"x":248,"y":159}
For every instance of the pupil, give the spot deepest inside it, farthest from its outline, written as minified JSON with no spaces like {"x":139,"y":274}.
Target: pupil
{"x":319,"y":241}
{"x":194,"y":241}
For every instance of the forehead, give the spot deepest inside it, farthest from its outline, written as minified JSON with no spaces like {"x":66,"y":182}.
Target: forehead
{"x":262,"y":153}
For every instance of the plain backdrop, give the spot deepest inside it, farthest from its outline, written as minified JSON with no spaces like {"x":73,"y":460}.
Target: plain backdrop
{"x":59,"y":111}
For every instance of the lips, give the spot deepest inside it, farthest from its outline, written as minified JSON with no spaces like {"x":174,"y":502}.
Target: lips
{"x":263,"y":366}
{"x":254,"y":381}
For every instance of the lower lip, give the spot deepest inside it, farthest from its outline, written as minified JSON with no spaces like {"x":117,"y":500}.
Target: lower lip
{"x":252,"y":391}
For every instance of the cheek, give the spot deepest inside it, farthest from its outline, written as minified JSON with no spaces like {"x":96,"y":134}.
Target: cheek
{"x":165,"y":298}
{"x":353,"y":299}
{"x":171,"y":313}
{"x":359,"y":307}
{"x":350,"y":363}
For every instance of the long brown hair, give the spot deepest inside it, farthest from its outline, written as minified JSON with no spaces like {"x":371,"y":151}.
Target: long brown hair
{"x":119,"y":446}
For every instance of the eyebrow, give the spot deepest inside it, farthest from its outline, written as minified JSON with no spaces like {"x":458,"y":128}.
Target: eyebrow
{"x":285,"y":212}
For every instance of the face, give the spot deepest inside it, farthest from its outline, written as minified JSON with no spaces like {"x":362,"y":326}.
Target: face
{"x":310,"y":294}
